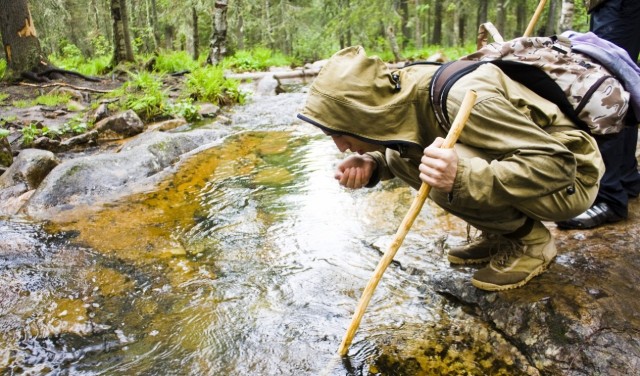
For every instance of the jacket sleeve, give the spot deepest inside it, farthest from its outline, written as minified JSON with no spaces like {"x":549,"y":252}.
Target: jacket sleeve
{"x":525,"y":161}
{"x":382,"y":171}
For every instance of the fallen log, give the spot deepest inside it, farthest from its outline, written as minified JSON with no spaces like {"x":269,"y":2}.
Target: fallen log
{"x":296,"y":73}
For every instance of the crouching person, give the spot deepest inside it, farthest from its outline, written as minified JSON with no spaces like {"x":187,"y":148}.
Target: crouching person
{"x":519,"y":160}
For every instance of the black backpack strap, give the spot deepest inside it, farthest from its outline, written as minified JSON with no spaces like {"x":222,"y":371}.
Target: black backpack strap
{"x":441,"y":83}
{"x":542,"y":84}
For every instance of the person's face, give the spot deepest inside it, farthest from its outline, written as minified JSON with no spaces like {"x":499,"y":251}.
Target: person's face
{"x":345,"y":142}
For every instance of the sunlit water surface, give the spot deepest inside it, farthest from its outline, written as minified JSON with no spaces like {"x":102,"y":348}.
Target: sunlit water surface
{"x":249,"y":260}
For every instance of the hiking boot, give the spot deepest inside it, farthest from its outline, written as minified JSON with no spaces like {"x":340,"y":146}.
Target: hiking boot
{"x":514,"y":266}
{"x":478,"y":250}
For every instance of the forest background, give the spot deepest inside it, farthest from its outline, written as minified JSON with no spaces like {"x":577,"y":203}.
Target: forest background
{"x":79,"y":34}
{"x":137,"y":44}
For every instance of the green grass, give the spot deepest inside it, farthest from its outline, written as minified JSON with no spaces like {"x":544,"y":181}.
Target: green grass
{"x":52,"y":100}
{"x":3,"y":97}
{"x":21,"y":103}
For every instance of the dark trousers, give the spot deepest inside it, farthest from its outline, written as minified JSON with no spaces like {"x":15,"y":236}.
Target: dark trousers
{"x":618,"y":21}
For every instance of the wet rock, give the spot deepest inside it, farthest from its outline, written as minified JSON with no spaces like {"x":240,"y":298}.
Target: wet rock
{"x":18,"y":183}
{"x":267,"y":86}
{"x":30,"y":167}
{"x":120,"y":126}
{"x":101,"y":112}
{"x":581,"y":317}
{"x":87,"y":138}
{"x":46,"y":143}
{"x":167,"y":125}
{"x":71,"y":93}
{"x":91,"y":180}
{"x":208,"y":110}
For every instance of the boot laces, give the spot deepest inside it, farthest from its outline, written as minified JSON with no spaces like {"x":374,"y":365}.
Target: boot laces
{"x":511,"y":249}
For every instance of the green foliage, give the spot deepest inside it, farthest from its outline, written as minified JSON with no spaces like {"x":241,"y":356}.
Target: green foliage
{"x":143,"y":94}
{"x":3,"y":97}
{"x":96,"y":66}
{"x":449,"y":53}
{"x":257,"y":59}
{"x":176,"y":61}
{"x":101,"y":47}
{"x":29,"y":133}
{"x":209,"y":84}
{"x":4,"y":133}
{"x":70,"y":54}
{"x":186,"y":108}
{"x":75,"y":126}
{"x":71,"y":58}
{"x":52,"y":99}
{"x":3,"y":67}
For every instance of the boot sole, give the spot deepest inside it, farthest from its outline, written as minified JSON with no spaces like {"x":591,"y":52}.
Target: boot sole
{"x":493,"y":287}
{"x":460,"y":261}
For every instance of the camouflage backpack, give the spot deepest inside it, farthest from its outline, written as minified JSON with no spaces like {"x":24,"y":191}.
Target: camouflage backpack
{"x":584,"y":90}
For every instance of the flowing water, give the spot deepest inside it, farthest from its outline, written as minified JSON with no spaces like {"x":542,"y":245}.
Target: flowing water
{"x":250,"y":259}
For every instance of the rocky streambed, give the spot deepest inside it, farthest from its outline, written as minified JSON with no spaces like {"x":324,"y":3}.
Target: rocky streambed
{"x":108,"y":248}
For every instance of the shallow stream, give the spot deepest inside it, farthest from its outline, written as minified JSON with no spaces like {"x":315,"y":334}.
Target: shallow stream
{"x":250,"y":259}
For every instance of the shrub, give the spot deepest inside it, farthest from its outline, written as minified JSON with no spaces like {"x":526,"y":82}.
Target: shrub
{"x":256,"y":60}
{"x":143,"y":94}
{"x":209,"y":84}
{"x":3,"y":67}
{"x":176,"y":61}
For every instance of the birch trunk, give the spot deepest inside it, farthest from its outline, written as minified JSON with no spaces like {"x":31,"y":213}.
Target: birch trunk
{"x":218,"y":45}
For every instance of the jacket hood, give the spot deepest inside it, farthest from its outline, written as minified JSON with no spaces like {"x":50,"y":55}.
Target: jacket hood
{"x":360,"y":96}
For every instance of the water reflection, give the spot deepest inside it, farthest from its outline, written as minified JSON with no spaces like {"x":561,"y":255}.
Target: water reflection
{"x":249,"y":260}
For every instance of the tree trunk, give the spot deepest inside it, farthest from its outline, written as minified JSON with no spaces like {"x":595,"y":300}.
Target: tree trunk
{"x":268,"y":32}
{"x":393,"y":42}
{"x":21,"y":45}
{"x":550,"y":27}
{"x":521,"y":18}
{"x":462,"y":23}
{"x":218,"y":45}
{"x":483,"y":9}
{"x":239,"y":26}
{"x":500,"y":16}
{"x":436,"y":37}
{"x":127,"y":29}
{"x":122,"y":50}
{"x":196,"y":36}
{"x":566,"y":15}
{"x":417,"y":29}
{"x":154,"y":23}
{"x":404,"y":13}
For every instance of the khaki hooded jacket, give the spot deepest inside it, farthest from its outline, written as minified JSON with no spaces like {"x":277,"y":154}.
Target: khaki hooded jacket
{"x":530,"y":148}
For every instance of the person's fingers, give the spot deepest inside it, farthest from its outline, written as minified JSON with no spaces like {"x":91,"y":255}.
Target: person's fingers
{"x":344,"y":181}
{"x":359,"y":178}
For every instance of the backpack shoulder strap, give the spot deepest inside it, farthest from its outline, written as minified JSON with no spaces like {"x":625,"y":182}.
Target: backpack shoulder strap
{"x":536,"y":80}
{"x":441,"y":83}
{"x":532,"y":77}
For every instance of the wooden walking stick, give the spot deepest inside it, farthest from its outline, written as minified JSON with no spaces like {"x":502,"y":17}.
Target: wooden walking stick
{"x":416,"y":206}
{"x":535,"y":17}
